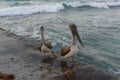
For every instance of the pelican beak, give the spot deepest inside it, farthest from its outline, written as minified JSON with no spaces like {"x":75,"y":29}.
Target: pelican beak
{"x":78,"y":36}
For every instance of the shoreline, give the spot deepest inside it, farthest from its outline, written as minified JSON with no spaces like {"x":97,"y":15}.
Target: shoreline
{"x":22,"y":58}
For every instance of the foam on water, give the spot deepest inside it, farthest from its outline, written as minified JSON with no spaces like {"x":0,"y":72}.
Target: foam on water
{"x":105,"y":5}
{"x":31,"y":9}
{"x":54,"y":7}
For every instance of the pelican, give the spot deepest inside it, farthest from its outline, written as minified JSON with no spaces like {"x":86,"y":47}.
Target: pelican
{"x":45,"y":47}
{"x":71,"y":50}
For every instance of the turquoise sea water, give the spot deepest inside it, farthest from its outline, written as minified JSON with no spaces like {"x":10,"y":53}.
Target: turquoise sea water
{"x":98,"y":23}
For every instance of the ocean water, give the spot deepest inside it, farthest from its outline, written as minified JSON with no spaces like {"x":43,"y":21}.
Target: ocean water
{"x":98,"y":23}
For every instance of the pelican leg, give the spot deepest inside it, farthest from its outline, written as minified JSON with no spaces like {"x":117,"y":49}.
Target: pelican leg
{"x":72,"y":59}
{"x":53,"y":54}
{"x":73,"y":62}
{"x":44,"y":54}
{"x":65,"y":59}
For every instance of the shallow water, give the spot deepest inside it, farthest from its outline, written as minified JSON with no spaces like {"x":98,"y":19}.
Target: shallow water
{"x":98,"y":23}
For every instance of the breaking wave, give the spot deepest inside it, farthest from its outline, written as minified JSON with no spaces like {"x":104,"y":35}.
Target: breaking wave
{"x":55,"y":7}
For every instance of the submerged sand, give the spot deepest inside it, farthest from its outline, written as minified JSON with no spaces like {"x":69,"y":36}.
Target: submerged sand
{"x":21,"y":57}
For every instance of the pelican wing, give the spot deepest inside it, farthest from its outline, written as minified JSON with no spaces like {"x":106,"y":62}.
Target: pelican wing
{"x":49,"y":45}
{"x":65,"y":51}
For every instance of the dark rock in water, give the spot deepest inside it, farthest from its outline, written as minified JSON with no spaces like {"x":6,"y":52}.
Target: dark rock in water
{"x":6,"y":76}
{"x":48,"y":60}
{"x":82,"y":72}
{"x":2,"y":29}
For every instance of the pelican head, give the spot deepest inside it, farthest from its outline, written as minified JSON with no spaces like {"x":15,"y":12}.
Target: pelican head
{"x":42,"y":29}
{"x":74,"y":32}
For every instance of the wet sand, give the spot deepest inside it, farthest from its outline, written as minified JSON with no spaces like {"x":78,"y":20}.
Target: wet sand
{"x":21,"y":57}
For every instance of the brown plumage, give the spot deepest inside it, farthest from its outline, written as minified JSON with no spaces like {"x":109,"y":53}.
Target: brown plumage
{"x":65,"y":50}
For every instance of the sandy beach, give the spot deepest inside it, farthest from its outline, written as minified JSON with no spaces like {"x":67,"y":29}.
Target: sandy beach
{"x":22,"y":58}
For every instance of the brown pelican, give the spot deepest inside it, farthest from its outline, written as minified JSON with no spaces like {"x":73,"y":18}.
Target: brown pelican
{"x":73,"y":49}
{"x":45,"y":47}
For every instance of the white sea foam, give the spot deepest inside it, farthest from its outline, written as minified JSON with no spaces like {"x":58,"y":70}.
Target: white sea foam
{"x":53,"y":7}
{"x":105,"y":5}
{"x":31,"y":9}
